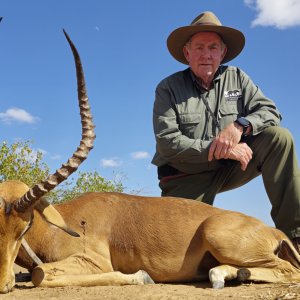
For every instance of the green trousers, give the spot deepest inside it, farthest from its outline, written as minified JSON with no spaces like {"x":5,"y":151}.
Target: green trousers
{"x":274,"y":157}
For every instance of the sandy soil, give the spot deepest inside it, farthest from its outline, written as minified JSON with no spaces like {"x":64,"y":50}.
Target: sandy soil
{"x":25,"y":290}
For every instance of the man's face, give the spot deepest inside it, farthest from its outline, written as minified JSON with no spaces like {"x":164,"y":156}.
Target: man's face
{"x":204,"y":52}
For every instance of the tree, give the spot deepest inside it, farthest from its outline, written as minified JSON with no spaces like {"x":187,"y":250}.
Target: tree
{"x":19,"y":162}
{"x":85,"y":182}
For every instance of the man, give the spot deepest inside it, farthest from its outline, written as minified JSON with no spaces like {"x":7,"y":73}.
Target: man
{"x":215,"y":130}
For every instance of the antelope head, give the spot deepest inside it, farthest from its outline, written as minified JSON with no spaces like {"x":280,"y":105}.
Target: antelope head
{"x":17,"y":200}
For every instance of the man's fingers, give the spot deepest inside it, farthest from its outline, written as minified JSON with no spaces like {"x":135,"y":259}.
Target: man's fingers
{"x":211,"y":151}
{"x":220,"y":149}
{"x":242,"y":153}
{"x":226,"y":153}
{"x":246,"y":158}
{"x":217,"y":152}
{"x":243,"y":167}
{"x":248,"y":154}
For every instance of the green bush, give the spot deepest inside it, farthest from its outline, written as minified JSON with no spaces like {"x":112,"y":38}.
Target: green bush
{"x":19,"y":162}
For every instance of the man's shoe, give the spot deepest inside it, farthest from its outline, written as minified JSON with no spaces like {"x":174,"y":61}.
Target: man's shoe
{"x":296,"y":243}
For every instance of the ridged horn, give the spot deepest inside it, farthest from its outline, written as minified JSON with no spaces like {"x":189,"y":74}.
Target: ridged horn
{"x":86,"y":144}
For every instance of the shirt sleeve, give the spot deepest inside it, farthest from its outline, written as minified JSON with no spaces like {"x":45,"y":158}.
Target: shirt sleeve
{"x":172,"y":145}
{"x":260,"y":111}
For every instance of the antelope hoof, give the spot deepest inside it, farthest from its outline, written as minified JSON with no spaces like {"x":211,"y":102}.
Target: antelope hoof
{"x":243,"y":274}
{"x":218,"y":284}
{"x":37,"y":276}
{"x":146,"y":279}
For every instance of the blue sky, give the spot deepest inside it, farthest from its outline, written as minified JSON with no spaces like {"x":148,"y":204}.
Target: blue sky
{"x":123,"y":49}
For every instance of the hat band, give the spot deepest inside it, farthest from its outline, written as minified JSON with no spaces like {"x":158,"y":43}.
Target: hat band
{"x":206,"y":23}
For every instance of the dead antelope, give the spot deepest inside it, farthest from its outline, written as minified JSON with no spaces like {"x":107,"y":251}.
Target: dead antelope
{"x":126,"y":239}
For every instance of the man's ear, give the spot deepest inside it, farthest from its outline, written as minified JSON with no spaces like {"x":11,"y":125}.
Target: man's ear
{"x":224,"y":52}
{"x":186,"y":53}
{"x":52,"y":216}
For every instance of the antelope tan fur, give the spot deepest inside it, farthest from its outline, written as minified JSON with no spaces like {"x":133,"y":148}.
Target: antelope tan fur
{"x":127,"y":239}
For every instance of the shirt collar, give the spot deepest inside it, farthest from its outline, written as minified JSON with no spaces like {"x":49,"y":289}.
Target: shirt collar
{"x":197,"y":82}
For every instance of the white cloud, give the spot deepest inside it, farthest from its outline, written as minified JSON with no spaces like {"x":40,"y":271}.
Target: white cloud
{"x":56,"y":157}
{"x":278,"y":13}
{"x":18,"y":115}
{"x":140,"y":155}
{"x":111,"y":162}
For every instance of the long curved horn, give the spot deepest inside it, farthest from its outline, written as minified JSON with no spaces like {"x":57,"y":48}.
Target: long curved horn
{"x":86,"y":144}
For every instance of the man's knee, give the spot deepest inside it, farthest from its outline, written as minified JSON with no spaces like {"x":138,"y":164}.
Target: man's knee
{"x":274,"y":140}
{"x":278,"y":136}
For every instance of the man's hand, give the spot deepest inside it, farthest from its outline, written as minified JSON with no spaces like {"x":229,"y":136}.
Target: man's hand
{"x":225,"y":142}
{"x":242,"y":153}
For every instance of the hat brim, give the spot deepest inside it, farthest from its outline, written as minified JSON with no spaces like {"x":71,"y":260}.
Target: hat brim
{"x":234,"y":40}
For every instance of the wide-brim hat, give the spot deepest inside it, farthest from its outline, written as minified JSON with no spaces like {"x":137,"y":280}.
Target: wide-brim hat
{"x":207,"y":21}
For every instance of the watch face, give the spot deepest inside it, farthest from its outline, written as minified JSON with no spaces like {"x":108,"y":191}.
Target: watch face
{"x":243,"y":122}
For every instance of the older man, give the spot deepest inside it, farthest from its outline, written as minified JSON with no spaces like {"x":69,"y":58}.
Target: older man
{"x":215,"y":130}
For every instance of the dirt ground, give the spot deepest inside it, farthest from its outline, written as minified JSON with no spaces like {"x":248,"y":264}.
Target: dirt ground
{"x":262,"y":291}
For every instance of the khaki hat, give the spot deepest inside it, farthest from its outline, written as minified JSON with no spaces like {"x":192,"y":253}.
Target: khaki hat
{"x":207,"y":21}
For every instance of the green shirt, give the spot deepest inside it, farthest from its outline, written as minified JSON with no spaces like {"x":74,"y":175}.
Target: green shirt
{"x":183,"y":126}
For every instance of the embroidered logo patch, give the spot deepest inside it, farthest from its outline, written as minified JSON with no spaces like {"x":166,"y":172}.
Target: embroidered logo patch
{"x":233,"y":95}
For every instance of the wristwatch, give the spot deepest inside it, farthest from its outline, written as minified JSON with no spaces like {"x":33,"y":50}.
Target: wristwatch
{"x":244,"y":123}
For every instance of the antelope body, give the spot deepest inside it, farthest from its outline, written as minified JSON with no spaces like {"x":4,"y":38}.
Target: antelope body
{"x":117,"y":239}
{"x":172,"y":239}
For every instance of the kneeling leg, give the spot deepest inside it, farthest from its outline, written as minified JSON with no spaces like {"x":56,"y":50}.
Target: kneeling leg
{"x":81,"y":270}
{"x":219,"y":274}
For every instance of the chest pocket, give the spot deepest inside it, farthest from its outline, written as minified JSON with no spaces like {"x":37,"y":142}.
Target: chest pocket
{"x":228,"y":114}
{"x":190,"y":125}
{"x":233,"y":106}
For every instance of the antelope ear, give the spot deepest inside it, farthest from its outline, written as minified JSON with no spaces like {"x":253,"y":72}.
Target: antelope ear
{"x":52,"y":216}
